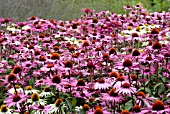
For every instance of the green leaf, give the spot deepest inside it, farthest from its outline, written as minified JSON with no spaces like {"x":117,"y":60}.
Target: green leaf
{"x":146,"y":83}
{"x":161,"y":89}
{"x":31,"y":82}
{"x":128,"y":105}
{"x":142,"y":88}
{"x":74,"y":101}
{"x":163,"y":78}
{"x":11,"y":62}
{"x":69,"y":103}
{"x":147,"y":90}
{"x":157,"y":85}
{"x":8,"y":71}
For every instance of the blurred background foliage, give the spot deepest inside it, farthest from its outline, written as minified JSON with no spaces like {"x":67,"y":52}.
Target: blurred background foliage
{"x":21,"y":10}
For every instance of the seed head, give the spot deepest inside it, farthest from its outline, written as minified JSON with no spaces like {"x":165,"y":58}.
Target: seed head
{"x":156,"y":45}
{"x":86,"y":107}
{"x":127,"y":63}
{"x":3,"y":108}
{"x":58,"y":101}
{"x":35,"y":97}
{"x":158,"y":105}
{"x":125,"y":112}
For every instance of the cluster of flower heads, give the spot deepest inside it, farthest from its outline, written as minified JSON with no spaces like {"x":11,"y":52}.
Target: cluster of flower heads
{"x":101,"y":63}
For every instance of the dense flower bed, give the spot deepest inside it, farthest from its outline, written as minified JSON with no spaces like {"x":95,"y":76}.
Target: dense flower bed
{"x":101,"y":63}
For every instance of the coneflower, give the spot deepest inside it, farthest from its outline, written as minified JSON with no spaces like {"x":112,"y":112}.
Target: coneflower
{"x":35,"y":97}
{"x":98,"y":111}
{"x":135,"y":52}
{"x":86,"y":107}
{"x":17,"y":69}
{"x":69,"y":64}
{"x":81,"y":82}
{"x":136,"y":109}
{"x":113,"y":74}
{"x":158,"y":105}
{"x":156,"y":45}
{"x":56,"y":79}
{"x":125,"y":112}
{"x":55,"y":56}
{"x":154,"y":31}
{"x":36,"y":52}
{"x":58,"y":101}
{"x":42,"y":58}
{"x":86,"y":43}
{"x":71,"y":49}
{"x":11,"y":77}
{"x":112,"y":51}
{"x":127,"y":63}
{"x":56,"y":48}
{"x":3,"y":108}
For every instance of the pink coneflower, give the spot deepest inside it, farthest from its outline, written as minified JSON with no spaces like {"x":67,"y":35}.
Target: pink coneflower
{"x":4,"y":110}
{"x":29,"y":90}
{"x":112,"y":96}
{"x":15,"y":99}
{"x":125,"y":112}
{"x":54,"y":80}
{"x":101,"y":84}
{"x":136,"y":109}
{"x":157,"y":107}
{"x":86,"y":107}
{"x":127,"y":7}
{"x":143,"y":99}
{"x":46,"y":92}
{"x":55,"y":56}
{"x":98,"y":110}
{"x":126,"y":89}
{"x":41,"y":108}
{"x":119,"y":81}
{"x":39,"y":82}
{"x":55,"y":107}
{"x":83,"y":94}
{"x":17,"y":69}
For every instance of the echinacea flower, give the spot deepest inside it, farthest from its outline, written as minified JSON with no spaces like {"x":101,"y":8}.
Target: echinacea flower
{"x":86,"y":107}
{"x":41,"y":108}
{"x":54,"y":80}
{"x":101,"y":84}
{"x":136,"y":109}
{"x":143,"y":99}
{"x":125,"y":112}
{"x":46,"y":92}
{"x":98,"y":110}
{"x":30,"y":90}
{"x":17,"y":69}
{"x":55,"y":107}
{"x":157,"y":107}
{"x":15,"y":99}
{"x":35,"y":98}
{"x":126,"y":89}
{"x":112,"y":96}
{"x":127,"y":63}
{"x":5,"y":110}
{"x":17,"y":87}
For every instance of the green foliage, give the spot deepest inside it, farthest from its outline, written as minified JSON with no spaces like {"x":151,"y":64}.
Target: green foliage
{"x":8,"y":71}
{"x":11,"y":62}
{"x":128,"y":105}
{"x":70,"y":9}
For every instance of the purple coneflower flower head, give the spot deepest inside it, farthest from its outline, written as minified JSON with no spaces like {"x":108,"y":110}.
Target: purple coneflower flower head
{"x":15,"y":99}
{"x":126,"y":89}
{"x":112,"y":96}
{"x":101,"y":84}
{"x":41,"y":108}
